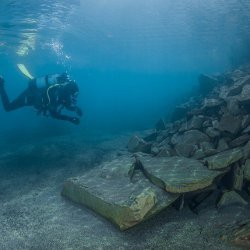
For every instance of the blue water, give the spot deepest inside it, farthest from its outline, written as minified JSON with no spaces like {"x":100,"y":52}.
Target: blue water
{"x":133,"y":60}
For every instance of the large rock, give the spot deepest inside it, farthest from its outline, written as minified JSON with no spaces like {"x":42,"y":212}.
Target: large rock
{"x":224,"y":159}
{"x":190,"y":137}
{"x":236,"y":89}
{"x":194,"y":123}
{"x":207,"y":148}
{"x":238,"y":85}
{"x":152,"y":136}
{"x":112,"y":192}
{"x":211,"y":106}
{"x":239,"y":141}
{"x":222,"y":145}
{"x":237,"y":178}
{"x":246,"y":130}
{"x":186,"y":150}
{"x":207,"y":123}
{"x":137,"y":144}
{"x":233,"y":106}
{"x":186,"y":144}
{"x":238,"y":74}
{"x":244,"y":97}
{"x":199,"y":154}
{"x":164,"y":142}
{"x":154,"y":150}
{"x":215,"y":124}
{"x":212,"y":103}
{"x":230,"y":198}
{"x":243,"y":81}
{"x":245,"y":121}
{"x":230,"y":123}
{"x":212,"y":132}
{"x":178,"y":174}
{"x":223,"y":92}
{"x":165,"y":152}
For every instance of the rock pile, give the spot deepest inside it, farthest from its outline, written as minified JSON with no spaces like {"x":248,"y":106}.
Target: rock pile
{"x":205,"y":148}
{"x":214,"y":129}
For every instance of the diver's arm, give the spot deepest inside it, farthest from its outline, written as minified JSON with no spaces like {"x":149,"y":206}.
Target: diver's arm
{"x":54,"y":109}
{"x":74,"y":109}
{"x":59,"y":116}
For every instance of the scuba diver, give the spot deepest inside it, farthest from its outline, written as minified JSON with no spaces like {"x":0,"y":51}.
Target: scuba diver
{"x":49,"y":95}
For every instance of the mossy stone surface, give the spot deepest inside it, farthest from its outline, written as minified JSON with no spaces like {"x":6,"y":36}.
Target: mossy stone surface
{"x":224,"y":159}
{"x":178,"y":174}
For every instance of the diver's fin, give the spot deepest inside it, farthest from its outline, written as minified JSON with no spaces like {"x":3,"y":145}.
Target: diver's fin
{"x":24,"y":70}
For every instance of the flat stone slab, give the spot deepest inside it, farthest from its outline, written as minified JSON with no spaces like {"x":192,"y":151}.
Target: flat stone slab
{"x":246,"y":169}
{"x":111,"y":192}
{"x":177,"y":174}
{"x":224,"y":159}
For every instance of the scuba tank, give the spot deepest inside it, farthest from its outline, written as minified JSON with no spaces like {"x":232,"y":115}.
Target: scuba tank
{"x":44,"y":81}
{"x":50,"y":80}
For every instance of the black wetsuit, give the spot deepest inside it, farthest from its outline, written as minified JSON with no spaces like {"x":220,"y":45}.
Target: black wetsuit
{"x":47,"y":102}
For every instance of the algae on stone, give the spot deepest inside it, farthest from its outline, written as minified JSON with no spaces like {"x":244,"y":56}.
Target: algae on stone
{"x":178,"y":174}
{"x":224,"y":159}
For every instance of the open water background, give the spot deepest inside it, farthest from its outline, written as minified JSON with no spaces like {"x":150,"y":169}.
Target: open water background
{"x":133,"y":60}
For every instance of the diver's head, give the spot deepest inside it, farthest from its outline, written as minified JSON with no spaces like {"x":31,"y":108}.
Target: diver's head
{"x":71,"y":87}
{"x":63,"y":78}
{"x":70,"y":92}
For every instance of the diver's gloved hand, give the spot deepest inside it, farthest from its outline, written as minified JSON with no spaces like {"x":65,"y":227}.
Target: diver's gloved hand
{"x":1,"y":81}
{"x":75,"y":120}
{"x":78,"y":111}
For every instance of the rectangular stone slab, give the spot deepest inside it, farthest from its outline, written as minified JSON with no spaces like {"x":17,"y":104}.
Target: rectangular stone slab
{"x":224,"y":159}
{"x":178,"y":174}
{"x":110,"y":191}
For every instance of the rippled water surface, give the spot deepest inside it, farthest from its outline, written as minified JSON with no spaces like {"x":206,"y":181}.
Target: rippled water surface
{"x":128,"y":56}
{"x":152,"y":34}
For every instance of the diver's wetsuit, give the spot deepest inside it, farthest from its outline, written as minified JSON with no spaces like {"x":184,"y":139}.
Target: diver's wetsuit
{"x":46,"y":103}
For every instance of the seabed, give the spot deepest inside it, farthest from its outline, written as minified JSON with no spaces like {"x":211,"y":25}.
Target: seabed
{"x":34,"y":215}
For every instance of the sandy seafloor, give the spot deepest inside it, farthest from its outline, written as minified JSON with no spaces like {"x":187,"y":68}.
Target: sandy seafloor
{"x":34,"y":215}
